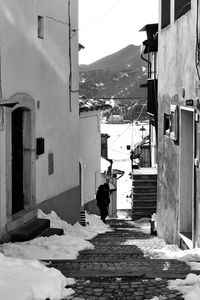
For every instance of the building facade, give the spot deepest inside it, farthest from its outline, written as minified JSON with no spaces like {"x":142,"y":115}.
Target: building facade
{"x":38,"y":111}
{"x":178,"y":122}
{"x":149,"y":51}
{"x":90,"y":152}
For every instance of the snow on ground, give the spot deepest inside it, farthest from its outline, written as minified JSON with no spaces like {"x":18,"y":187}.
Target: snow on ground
{"x":189,"y":287}
{"x":29,"y":279}
{"x":65,"y":246}
{"x":191,"y":257}
{"x":122,"y":135}
{"x":24,"y":278}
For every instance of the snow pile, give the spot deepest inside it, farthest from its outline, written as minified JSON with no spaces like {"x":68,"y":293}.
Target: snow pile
{"x":190,"y":287}
{"x":66,"y":246}
{"x":29,"y":279}
{"x":94,"y":227}
{"x":53,"y":247}
{"x":191,"y":257}
{"x":143,"y":224}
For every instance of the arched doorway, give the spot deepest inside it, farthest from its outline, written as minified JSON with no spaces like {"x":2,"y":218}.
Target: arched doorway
{"x":20,"y":161}
{"x":17,"y":160}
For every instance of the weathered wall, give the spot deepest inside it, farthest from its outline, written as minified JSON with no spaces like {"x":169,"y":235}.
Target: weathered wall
{"x":90,"y":154}
{"x":65,"y":205}
{"x":41,"y":69}
{"x":176,"y":69}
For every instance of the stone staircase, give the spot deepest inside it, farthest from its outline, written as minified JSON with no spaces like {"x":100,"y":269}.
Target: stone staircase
{"x":32,"y":229}
{"x":144,"y":195}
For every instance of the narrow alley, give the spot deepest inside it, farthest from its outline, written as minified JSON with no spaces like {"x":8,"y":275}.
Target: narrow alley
{"x":119,"y":267}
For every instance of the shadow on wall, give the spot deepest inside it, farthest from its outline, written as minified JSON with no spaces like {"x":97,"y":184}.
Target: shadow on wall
{"x":91,"y":207}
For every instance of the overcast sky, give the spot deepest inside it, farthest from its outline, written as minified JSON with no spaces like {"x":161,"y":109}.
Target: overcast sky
{"x":106,"y":26}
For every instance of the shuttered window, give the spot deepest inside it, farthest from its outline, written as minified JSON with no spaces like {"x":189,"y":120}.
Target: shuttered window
{"x":165,"y":13}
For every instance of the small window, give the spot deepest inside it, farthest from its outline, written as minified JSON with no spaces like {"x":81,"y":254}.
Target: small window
{"x":167,"y":124}
{"x":165,"y":13}
{"x":174,"y":121}
{"x":40,"y":27}
{"x":181,"y":7}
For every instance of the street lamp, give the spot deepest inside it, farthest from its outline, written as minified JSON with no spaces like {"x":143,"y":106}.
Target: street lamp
{"x":143,"y":130}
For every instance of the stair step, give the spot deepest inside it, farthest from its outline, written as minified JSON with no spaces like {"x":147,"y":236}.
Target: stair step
{"x":139,"y":215}
{"x":144,"y":177}
{"x":144,"y":189}
{"x":29,"y":230}
{"x":52,"y":231}
{"x":147,"y":183}
{"x":144,"y":209}
{"x":144,"y":204}
{"x":146,"y":196}
{"x":148,"y":200}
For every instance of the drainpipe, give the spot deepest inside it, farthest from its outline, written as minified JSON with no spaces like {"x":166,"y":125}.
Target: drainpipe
{"x":149,"y":76}
{"x":149,"y":64}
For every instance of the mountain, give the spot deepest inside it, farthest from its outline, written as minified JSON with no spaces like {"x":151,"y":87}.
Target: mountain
{"x":126,"y":58}
{"x":118,"y":75}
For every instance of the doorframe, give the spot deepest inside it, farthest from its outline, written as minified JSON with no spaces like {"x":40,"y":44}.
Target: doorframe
{"x":27,"y":103}
{"x":81,"y":181}
{"x":190,"y":243}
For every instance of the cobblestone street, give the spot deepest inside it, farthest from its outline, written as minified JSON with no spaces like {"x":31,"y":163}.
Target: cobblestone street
{"x":114,"y":269}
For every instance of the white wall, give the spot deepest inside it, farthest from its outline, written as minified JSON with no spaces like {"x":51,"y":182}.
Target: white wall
{"x":40,"y":68}
{"x":90,"y":153}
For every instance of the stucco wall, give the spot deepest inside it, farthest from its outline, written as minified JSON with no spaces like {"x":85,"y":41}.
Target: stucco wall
{"x":41,"y":69}
{"x":176,"y":70}
{"x":65,"y":205}
{"x":90,"y":153}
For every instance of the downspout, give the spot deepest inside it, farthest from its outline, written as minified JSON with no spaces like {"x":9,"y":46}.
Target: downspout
{"x":149,"y":76}
{"x":70,"y":56}
{"x":149,"y":64}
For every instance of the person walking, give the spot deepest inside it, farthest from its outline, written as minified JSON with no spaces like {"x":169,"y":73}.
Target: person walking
{"x":103,"y":200}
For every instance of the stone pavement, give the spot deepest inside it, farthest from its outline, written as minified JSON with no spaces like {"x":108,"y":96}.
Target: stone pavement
{"x":119,"y":267}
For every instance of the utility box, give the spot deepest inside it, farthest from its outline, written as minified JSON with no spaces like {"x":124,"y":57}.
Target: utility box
{"x":39,"y":146}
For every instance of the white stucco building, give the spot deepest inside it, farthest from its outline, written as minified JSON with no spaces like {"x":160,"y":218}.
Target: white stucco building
{"x":90,"y":153}
{"x":38,"y":111}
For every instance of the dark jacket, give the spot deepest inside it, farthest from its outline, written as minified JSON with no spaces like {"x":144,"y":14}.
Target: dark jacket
{"x":102,"y":196}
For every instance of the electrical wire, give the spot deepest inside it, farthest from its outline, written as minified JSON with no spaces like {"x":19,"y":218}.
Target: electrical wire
{"x":120,"y":135}
{"x":184,"y":6}
{"x":197,"y":52}
{"x":70,"y":56}
{"x":102,"y":15}
{"x":141,"y":111}
{"x":56,"y":20}
{"x":71,"y":34}
{"x":131,"y":124}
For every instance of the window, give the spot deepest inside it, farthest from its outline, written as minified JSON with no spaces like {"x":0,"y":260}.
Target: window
{"x":40,"y":27}
{"x":165,"y":13}
{"x":166,"y":124}
{"x":174,"y":123}
{"x":181,"y":7}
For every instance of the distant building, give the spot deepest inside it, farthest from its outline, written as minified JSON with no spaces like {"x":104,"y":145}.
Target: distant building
{"x":149,"y":51}
{"x":90,"y":151}
{"x":115,"y":119}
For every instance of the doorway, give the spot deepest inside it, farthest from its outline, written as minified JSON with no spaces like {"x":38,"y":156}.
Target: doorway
{"x":17,"y":161}
{"x":187,"y":130}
